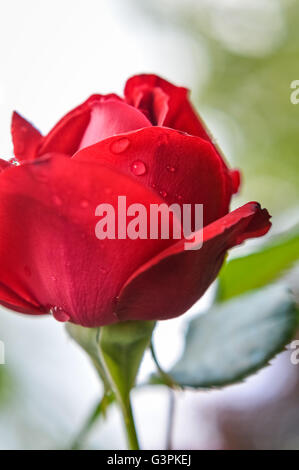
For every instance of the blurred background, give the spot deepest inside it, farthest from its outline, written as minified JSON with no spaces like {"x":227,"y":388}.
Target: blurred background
{"x":238,"y":59}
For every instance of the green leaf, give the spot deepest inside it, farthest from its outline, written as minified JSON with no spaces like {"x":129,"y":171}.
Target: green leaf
{"x":236,"y":338}
{"x":258,"y":269}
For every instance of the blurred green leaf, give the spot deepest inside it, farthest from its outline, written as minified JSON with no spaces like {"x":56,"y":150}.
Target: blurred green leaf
{"x":6,"y":385}
{"x":236,"y":338}
{"x":100,"y":410}
{"x":257,"y":269}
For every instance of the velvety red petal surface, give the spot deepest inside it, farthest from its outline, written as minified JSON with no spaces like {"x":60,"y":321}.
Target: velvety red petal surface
{"x":10,"y":299}
{"x":168,"y":105}
{"x":49,"y":254}
{"x":173,"y":281}
{"x":180,"y":114}
{"x":67,"y":134}
{"x":112,"y":117}
{"x":3,"y":164}
{"x":180,"y":168}
{"x":26,"y":139}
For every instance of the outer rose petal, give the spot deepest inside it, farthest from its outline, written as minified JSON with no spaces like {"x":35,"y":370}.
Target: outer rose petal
{"x":168,"y":105}
{"x":182,"y":168}
{"x":66,"y":135}
{"x":13,"y":301}
{"x":3,"y":164}
{"x":26,"y":139}
{"x":49,"y":254}
{"x":174,"y":280}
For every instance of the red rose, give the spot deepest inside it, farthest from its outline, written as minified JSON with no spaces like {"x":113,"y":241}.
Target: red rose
{"x":50,"y":258}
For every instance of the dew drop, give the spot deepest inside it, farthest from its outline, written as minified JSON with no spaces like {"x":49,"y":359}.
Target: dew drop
{"x":138,"y":168}
{"x":171,"y":169}
{"x":163,"y":193}
{"x":59,"y":314}
{"x":120,"y":145}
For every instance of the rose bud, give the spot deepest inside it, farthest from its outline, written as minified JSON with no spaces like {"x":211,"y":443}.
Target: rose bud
{"x":150,"y":147}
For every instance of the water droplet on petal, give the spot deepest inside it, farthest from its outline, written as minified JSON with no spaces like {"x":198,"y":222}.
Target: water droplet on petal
{"x":163,"y":193}
{"x":138,"y":168}
{"x":120,"y":145}
{"x":59,"y":314}
{"x":171,"y":169}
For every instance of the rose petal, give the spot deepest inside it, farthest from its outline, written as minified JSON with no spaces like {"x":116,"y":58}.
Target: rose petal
{"x":49,"y":253}
{"x":169,"y":284}
{"x":26,"y":139}
{"x":168,"y":105}
{"x":3,"y":164}
{"x":13,"y":301}
{"x":66,"y":135}
{"x":109,"y":118}
{"x":180,"y":115}
{"x":180,"y":168}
